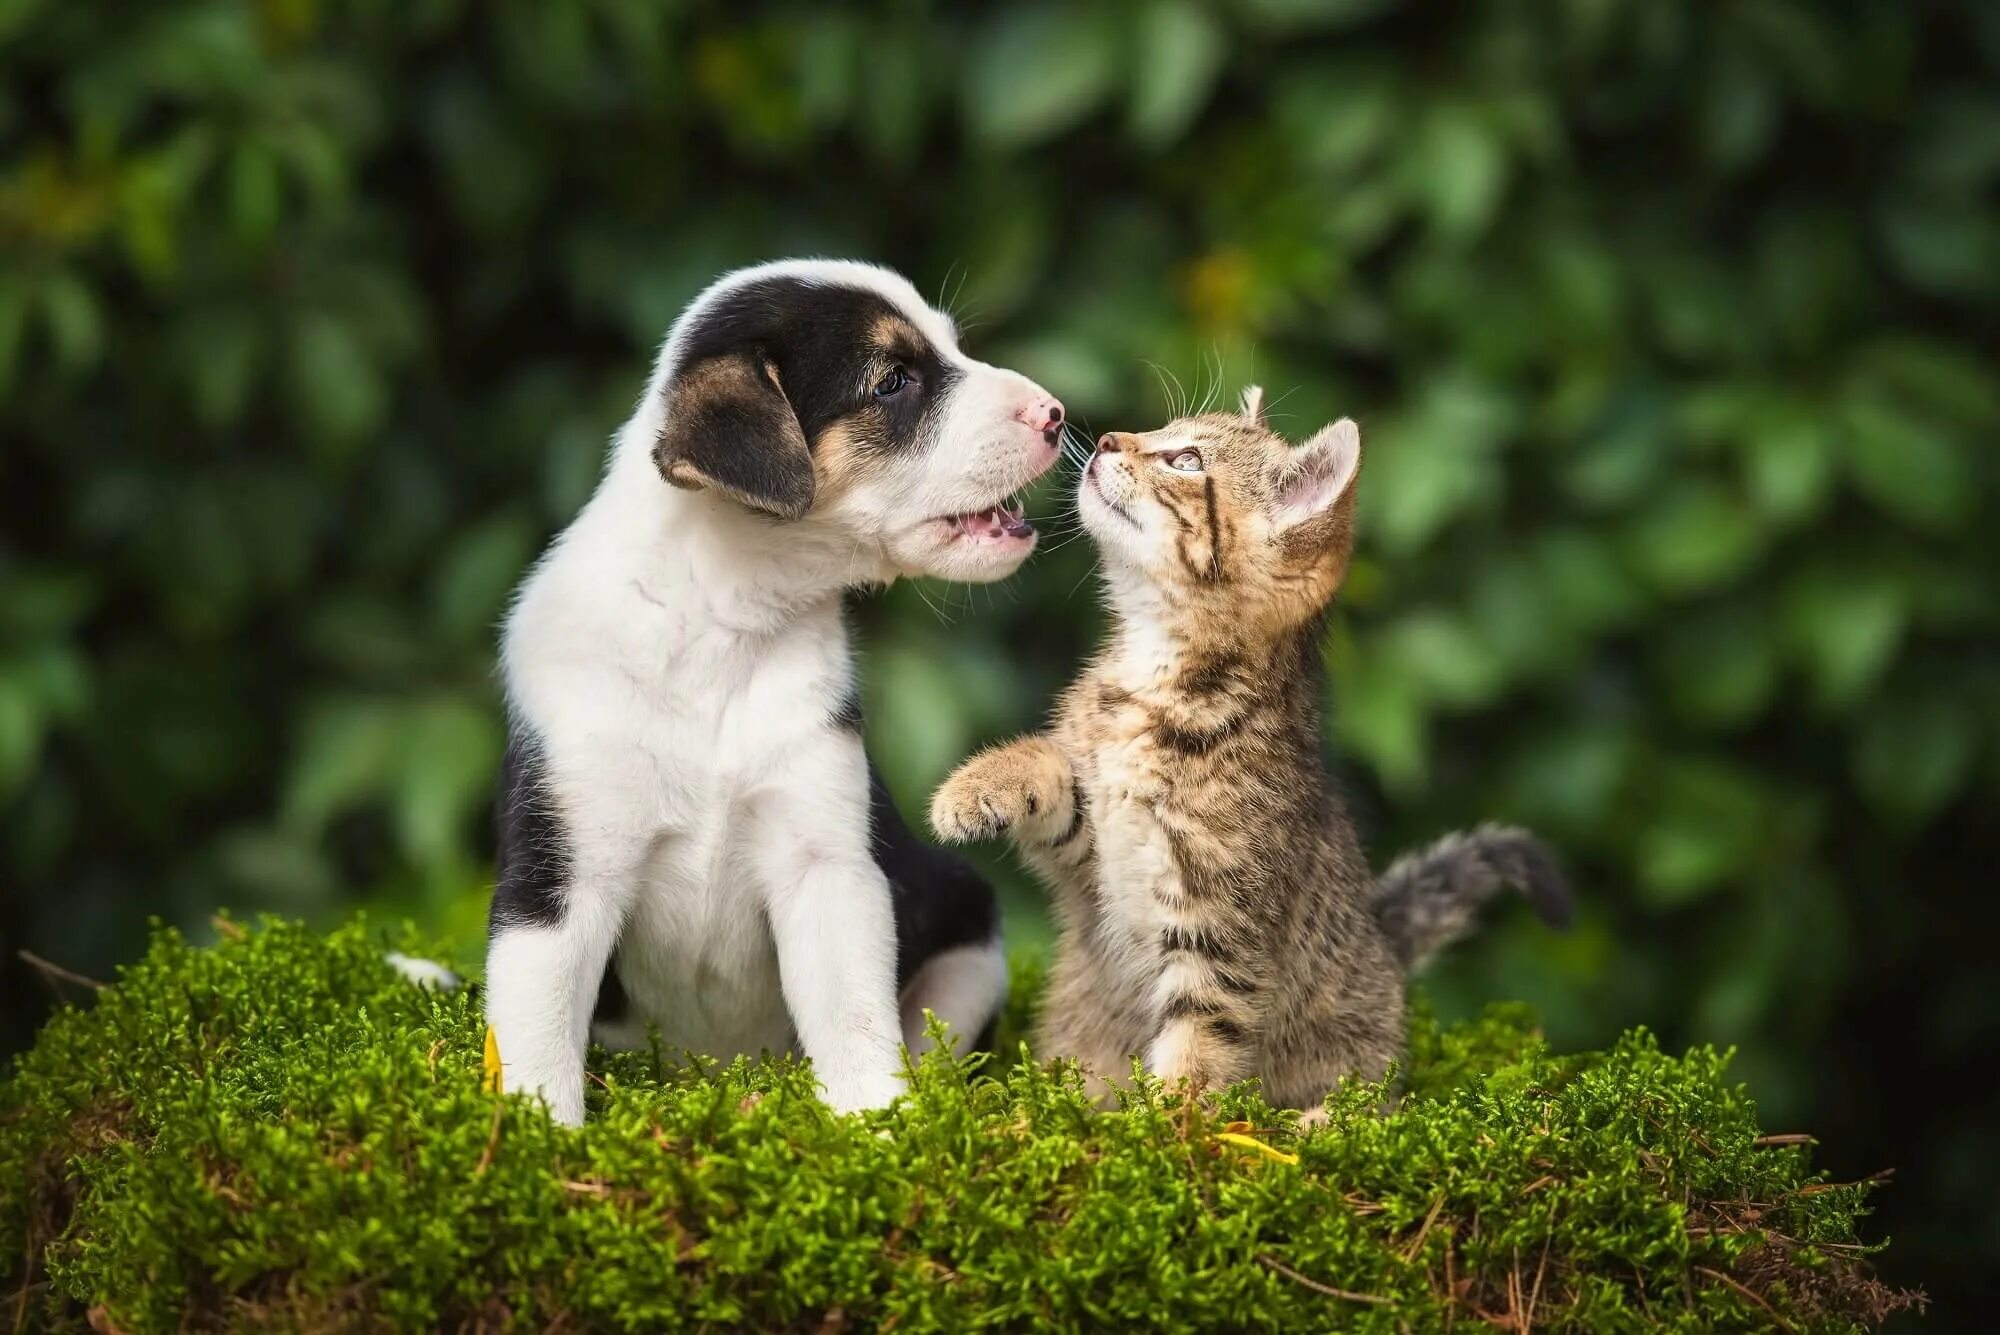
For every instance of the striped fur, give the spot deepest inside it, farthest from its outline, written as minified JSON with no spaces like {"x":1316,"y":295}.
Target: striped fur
{"x":1216,"y":916}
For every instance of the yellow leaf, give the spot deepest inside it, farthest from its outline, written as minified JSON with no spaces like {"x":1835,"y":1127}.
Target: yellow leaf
{"x":1251,"y":1143}
{"x":489,"y":1080}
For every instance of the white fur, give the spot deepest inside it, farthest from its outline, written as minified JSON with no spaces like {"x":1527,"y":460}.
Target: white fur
{"x":965,"y":981}
{"x":678,"y":658}
{"x":424,"y":973}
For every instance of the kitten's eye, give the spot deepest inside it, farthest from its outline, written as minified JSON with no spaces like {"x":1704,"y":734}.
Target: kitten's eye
{"x":892,"y":384}
{"x":1184,"y":461}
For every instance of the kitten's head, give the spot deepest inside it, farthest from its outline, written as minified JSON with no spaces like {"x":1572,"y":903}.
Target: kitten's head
{"x":1216,"y":521}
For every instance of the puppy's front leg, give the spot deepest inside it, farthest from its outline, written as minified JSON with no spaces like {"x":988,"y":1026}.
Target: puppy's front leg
{"x":557,"y":912}
{"x":832,"y":920}
{"x":542,"y":977}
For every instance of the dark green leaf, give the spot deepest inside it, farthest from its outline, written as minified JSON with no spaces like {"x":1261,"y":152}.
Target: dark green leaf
{"x":1037,"y":69}
{"x":1179,"y":51}
{"x":1912,"y":755}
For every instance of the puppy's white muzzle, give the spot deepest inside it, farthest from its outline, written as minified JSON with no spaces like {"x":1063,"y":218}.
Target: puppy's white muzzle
{"x":960,"y":517}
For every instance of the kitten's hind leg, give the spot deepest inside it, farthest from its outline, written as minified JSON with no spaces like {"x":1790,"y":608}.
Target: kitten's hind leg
{"x":1087,"y":1018}
{"x":1209,"y":996}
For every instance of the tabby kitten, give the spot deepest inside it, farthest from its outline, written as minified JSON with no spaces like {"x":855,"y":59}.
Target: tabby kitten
{"x":1215,"y":913}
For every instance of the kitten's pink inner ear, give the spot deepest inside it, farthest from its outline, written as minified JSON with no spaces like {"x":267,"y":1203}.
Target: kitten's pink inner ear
{"x":1253,"y":403}
{"x":1322,"y":472}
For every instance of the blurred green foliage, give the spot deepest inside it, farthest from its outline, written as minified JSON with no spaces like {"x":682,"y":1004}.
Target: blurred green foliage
{"x":1671,"y":328}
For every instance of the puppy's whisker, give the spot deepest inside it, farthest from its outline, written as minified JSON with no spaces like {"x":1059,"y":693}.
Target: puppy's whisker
{"x":936,"y":611}
{"x":949,"y":303}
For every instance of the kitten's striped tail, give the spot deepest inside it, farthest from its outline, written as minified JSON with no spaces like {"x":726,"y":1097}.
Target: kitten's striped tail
{"x":1428,"y":899}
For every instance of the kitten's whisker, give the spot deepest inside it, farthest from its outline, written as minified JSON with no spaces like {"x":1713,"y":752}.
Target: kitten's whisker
{"x":1214,"y":394}
{"x":1176,"y":396}
{"x":1086,"y":575}
{"x":1069,"y":541}
{"x":1271,"y":406}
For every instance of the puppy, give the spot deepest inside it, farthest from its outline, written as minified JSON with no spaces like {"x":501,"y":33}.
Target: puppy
{"x":685,"y":796}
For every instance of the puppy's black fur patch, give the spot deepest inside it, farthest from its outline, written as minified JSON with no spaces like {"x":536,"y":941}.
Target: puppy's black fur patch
{"x":613,"y":1006}
{"x":787,"y":360}
{"x":534,"y":852}
{"x":848,"y":716}
{"x":729,"y":426}
{"x":942,"y":902}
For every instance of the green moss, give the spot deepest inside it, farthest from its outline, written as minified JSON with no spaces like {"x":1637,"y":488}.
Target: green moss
{"x":279,"y":1133}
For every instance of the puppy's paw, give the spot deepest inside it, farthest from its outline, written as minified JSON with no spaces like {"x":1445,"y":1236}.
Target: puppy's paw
{"x":1009,"y":788}
{"x":855,"y":1092}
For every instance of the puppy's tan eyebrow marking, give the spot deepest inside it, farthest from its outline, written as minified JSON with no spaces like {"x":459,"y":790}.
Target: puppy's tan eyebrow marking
{"x":897,"y":337}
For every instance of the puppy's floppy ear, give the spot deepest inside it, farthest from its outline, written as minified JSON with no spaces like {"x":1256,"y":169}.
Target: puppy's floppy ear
{"x":730,"y":427}
{"x":1316,"y":494}
{"x":1253,"y":405}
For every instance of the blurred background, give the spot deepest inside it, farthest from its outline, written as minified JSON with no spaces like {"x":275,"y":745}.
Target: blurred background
{"x":1672,"y":329}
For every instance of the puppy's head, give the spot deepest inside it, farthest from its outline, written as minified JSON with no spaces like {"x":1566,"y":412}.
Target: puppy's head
{"x":828,"y":394}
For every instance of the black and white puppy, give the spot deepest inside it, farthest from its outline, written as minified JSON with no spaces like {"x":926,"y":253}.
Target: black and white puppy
{"x":685,"y":797}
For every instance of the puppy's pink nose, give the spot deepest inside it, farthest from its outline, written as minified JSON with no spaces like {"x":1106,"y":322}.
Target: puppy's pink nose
{"x":1042,"y":413}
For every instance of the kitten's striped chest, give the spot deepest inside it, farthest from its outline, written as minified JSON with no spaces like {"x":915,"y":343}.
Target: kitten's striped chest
{"x":1118,"y":767}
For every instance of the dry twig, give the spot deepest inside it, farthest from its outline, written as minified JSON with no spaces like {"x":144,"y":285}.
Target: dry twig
{"x":1317,"y":1287}
{"x":52,"y":972}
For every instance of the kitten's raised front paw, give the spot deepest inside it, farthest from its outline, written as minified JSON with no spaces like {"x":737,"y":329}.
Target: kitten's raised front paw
{"x":998,"y":791}
{"x":961,"y":813}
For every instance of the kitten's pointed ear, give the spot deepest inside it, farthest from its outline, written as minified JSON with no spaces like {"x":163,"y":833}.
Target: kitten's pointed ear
{"x":729,"y":426}
{"x":1320,"y":481}
{"x":1253,"y":405}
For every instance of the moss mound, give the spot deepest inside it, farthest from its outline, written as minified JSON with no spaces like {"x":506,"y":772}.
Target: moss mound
{"x":279,"y":1133}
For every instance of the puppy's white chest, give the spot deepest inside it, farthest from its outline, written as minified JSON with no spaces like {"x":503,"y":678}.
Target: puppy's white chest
{"x":697,"y":958}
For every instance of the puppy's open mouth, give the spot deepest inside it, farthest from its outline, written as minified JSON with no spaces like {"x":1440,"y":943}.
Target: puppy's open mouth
{"x":996,"y":523}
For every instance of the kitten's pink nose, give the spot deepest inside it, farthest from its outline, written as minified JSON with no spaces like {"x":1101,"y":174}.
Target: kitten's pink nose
{"x":1044,"y":414}
{"x":1114,"y":442}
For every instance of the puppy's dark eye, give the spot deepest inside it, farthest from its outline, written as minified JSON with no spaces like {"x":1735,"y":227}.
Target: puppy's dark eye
{"x":892,"y":384}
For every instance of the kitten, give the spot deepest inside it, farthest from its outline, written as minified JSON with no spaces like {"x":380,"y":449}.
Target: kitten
{"x":1215,"y":913}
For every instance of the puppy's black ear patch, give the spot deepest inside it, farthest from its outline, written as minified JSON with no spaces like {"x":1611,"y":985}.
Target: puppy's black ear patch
{"x":730,"y":427}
